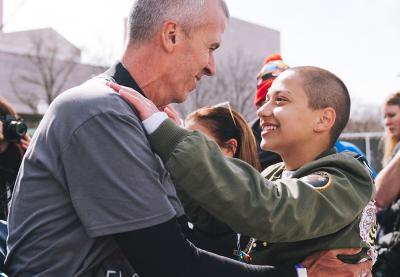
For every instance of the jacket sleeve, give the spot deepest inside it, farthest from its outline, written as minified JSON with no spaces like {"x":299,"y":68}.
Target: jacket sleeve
{"x":240,"y":196}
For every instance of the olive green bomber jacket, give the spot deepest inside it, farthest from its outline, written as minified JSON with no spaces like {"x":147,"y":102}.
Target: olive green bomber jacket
{"x":293,"y":217}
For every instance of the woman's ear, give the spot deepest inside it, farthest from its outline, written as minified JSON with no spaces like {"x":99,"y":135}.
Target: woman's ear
{"x":229,"y":147}
{"x":169,"y":34}
{"x":326,"y":120}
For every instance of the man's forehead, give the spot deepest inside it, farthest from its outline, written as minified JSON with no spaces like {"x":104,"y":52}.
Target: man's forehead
{"x":212,"y":31}
{"x":215,"y":15}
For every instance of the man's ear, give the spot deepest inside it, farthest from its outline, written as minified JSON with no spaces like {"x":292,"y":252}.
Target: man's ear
{"x":169,"y":32}
{"x":326,"y":120}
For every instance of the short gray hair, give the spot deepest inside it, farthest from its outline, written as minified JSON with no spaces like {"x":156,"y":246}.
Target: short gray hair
{"x":148,"y":15}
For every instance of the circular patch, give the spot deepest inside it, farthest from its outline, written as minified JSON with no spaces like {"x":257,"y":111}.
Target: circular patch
{"x":319,"y":180}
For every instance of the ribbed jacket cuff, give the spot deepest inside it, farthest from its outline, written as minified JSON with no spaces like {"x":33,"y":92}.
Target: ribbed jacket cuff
{"x":166,"y":137}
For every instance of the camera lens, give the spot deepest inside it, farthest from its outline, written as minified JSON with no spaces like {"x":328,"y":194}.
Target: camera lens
{"x":14,"y":130}
{"x":20,"y":129}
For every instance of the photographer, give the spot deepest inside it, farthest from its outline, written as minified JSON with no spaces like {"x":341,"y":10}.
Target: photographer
{"x":13,"y":143}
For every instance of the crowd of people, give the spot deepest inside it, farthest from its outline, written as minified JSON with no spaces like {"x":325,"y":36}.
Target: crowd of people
{"x":115,"y":183}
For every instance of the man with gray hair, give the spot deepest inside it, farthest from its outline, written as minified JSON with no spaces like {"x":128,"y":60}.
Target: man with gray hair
{"x":91,"y":198}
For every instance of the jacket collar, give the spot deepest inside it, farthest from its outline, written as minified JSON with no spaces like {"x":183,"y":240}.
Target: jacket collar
{"x":327,"y":152}
{"x":119,"y":74}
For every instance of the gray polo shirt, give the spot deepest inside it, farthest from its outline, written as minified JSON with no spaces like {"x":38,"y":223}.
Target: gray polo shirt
{"x":88,"y":173}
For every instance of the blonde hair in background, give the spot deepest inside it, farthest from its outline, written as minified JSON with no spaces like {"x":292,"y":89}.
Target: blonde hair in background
{"x":226,"y":123}
{"x":390,"y":142}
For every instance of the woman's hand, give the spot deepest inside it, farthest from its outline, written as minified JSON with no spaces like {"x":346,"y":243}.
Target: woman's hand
{"x":144,"y":106}
{"x":173,"y":114}
{"x":24,"y":142}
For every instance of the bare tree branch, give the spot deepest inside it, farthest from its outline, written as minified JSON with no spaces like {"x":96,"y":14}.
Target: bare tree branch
{"x":365,"y":118}
{"x":235,"y":82}
{"x":30,"y":100}
{"x":50,"y":73}
{"x":32,"y":81}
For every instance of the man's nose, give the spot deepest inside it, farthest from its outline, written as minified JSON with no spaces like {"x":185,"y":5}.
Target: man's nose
{"x":211,"y":68}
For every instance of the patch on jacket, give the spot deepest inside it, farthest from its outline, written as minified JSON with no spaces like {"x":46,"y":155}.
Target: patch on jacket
{"x":320,"y":180}
{"x":368,"y":228}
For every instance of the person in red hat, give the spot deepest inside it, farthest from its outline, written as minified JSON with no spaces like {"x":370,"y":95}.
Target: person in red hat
{"x":272,"y":67}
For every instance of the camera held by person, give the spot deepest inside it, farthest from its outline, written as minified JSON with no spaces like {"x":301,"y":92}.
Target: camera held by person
{"x":13,"y":129}
{"x":14,"y":141}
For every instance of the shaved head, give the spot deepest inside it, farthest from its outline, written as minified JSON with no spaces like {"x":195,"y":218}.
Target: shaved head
{"x":324,"y":89}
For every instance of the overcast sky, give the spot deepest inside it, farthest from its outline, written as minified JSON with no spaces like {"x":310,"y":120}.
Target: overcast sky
{"x":359,"y":40}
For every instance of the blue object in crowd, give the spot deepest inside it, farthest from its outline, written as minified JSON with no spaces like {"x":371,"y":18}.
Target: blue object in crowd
{"x":348,"y":146}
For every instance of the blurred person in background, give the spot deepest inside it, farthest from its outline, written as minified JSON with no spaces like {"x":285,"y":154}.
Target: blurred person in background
{"x":234,"y":137}
{"x":13,"y":143}
{"x":342,"y":145}
{"x":387,"y":194}
{"x":273,"y":65}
